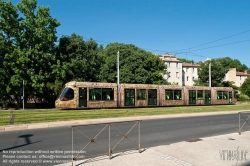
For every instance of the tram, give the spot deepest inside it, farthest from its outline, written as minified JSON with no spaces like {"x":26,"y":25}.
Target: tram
{"x":79,"y":95}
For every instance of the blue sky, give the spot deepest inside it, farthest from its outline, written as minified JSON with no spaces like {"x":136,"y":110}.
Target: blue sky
{"x":160,"y":26}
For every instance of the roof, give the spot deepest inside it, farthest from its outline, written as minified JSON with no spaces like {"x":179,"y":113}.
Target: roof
{"x":190,"y":65}
{"x":242,"y":74}
{"x":171,"y":60}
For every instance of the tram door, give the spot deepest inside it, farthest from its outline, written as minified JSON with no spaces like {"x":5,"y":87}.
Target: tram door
{"x":129,"y":97}
{"x":82,"y":97}
{"x":192,"y":96}
{"x":207,"y":97}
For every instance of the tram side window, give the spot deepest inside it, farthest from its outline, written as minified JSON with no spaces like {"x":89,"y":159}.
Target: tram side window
{"x":107,"y":94}
{"x":219,"y":95}
{"x":141,"y":94}
{"x":169,"y":95}
{"x":173,"y":94}
{"x":225,"y":95}
{"x":95,"y":94}
{"x":177,"y":95}
{"x":200,"y":95}
{"x":222,"y":95}
{"x":101,"y":94}
{"x":67,"y":94}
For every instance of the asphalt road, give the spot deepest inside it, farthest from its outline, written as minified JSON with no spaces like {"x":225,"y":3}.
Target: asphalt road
{"x":53,"y":144}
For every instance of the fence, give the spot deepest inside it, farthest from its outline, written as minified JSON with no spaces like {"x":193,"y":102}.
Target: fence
{"x":242,"y":115}
{"x":93,"y":140}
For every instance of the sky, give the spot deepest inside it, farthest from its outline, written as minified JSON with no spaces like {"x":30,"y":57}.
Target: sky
{"x":191,"y":29}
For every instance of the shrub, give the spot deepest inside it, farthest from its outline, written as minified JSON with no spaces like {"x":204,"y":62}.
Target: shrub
{"x":242,"y":97}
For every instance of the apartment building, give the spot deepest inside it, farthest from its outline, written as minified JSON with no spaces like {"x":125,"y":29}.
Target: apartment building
{"x":189,"y":73}
{"x":237,"y":77}
{"x":174,"y":70}
{"x":180,"y":73}
{"x":184,"y":74}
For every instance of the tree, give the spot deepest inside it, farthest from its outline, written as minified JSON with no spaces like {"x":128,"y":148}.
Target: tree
{"x":245,"y":87}
{"x":227,"y":63}
{"x":136,"y":65}
{"x":217,"y":73}
{"x":230,"y":84}
{"x":184,"y":60}
{"x":28,"y":34}
{"x":3,"y":75}
{"x":76,"y":60}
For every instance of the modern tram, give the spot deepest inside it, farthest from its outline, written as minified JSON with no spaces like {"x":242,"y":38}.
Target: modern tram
{"x":80,"y":95}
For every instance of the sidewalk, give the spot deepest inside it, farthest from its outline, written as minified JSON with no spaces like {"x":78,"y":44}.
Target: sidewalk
{"x":224,"y":150}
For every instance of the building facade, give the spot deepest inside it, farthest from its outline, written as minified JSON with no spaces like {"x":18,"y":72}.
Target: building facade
{"x":237,"y":77}
{"x":189,"y":73}
{"x":174,"y":70}
{"x":184,"y":74}
{"x":179,"y":73}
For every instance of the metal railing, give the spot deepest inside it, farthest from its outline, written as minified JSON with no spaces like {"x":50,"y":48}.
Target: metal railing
{"x":93,"y":140}
{"x":245,"y":120}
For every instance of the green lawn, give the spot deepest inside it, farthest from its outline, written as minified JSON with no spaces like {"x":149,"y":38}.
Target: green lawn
{"x":51,"y":115}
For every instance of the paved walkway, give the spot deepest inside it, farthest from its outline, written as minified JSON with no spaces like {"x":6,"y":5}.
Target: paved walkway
{"x":224,"y":150}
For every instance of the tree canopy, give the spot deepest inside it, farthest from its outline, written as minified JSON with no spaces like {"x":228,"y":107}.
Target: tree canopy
{"x":136,"y":65}
{"x":228,"y":62}
{"x":28,"y":52}
{"x":219,"y":68}
{"x":245,"y":87}
{"x":217,"y":73}
{"x":184,"y":60}
{"x":28,"y":34}
{"x":76,"y":60}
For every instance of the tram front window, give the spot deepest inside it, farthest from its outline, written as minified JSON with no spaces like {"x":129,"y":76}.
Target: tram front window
{"x":67,"y":94}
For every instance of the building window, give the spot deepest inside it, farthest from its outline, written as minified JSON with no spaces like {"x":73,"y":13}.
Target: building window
{"x":240,"y":77}
{"x":187,"y":78}
{"x":177,"y":75}
{"x":168,"y":64}
{"x":193,"y":70}
{"x":176,"y":65}
{"x":193,"y":78}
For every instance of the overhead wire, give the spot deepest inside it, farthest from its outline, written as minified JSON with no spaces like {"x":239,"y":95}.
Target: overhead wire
{"x":213,"y":41}
{"x":190,"y":52}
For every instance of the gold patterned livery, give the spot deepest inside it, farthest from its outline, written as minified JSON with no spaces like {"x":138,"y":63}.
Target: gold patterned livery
{"x":78,"y":95}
